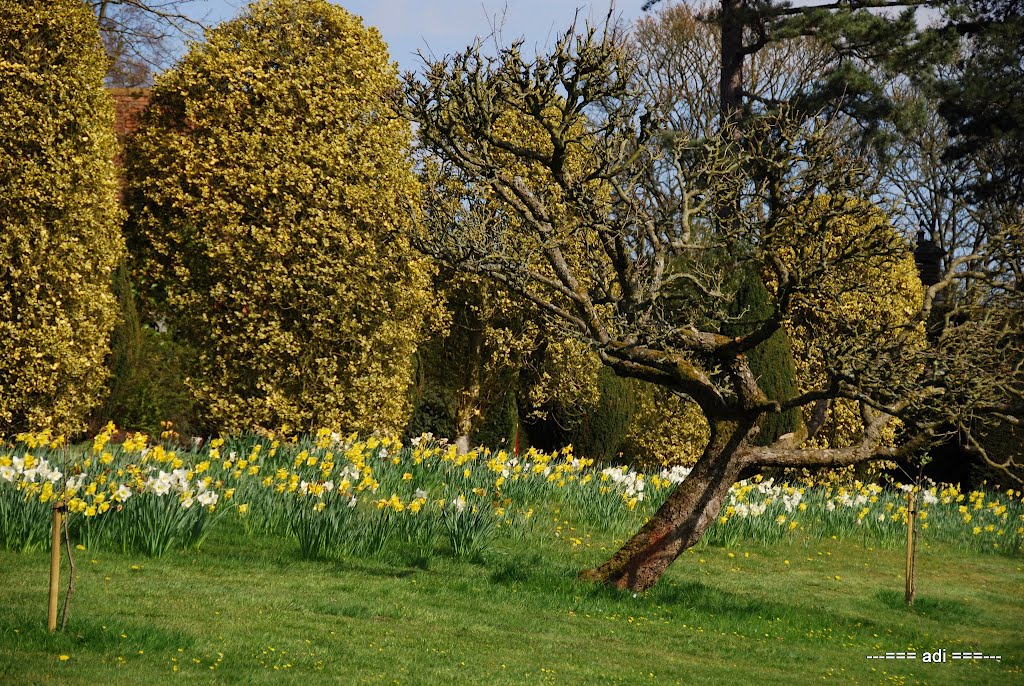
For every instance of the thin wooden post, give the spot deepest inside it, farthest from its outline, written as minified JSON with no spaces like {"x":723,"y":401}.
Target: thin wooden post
{"x":51,"y":617}
{"x":911,"y":517}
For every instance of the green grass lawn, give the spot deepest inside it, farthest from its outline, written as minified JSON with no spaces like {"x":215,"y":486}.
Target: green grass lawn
{"x":246,"y":610}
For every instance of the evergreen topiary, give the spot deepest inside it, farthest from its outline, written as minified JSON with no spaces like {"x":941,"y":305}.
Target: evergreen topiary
{"x":595,"y":428}
{"x":270,"y":195}
{"x":771,"y":362}
{"x":601,"y":433}
{"x":501,"y":423}
{"x":61,"y":238}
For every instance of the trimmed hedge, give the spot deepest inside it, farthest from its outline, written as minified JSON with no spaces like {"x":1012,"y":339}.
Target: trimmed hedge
{"x":60,"y":238}
{"x":271,"y":197}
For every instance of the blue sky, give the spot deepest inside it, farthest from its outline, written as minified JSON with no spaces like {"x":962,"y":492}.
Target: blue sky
{"x":446,"y":26}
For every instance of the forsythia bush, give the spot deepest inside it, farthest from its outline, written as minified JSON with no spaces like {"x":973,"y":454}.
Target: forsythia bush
{"x":270,"y":199}
{"x":59,"y":218}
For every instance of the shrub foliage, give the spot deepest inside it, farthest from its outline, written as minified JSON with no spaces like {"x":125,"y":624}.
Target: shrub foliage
{"x":872,"y":299}
{"x":270,"y":196}
{"x":147,"y":388}
{"x":60,"y":237}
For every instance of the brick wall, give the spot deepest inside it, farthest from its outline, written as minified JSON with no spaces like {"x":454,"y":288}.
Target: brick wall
{"x":128,"y":106}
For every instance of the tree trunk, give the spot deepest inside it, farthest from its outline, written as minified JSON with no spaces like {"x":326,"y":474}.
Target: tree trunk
{"x":692,"y":507}
{"x":682,"y":519}
{"x":468,"y":401}
{"x":730,"y":87}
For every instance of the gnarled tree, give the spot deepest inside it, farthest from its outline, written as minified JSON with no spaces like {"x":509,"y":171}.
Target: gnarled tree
{"x":631,"y":253}
{"x":141,"y":37}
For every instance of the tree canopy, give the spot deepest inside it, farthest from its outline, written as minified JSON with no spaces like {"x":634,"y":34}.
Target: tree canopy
{"x":270,"y":192}
{"x":644,"y":199}
{"x":140,"y":37}
{"x":982,"y":97}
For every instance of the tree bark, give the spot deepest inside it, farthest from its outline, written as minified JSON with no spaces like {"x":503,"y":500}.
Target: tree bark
{"x":731,"y":83}
{"x":682,"y":519}
{"x":468,"y":401}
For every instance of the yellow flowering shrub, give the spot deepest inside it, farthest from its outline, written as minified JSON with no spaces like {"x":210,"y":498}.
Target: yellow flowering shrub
{"x":568,"y":377}
{"x":270,"y":197}
{"x":851,"y":303}
{"x":665,"y":430}
{"x":60,"y":237}
{"x":498,"y":349}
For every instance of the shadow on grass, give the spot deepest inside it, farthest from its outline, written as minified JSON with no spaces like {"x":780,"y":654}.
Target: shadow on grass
{"x":693,"y":595}
{"x":940,"y":609}
{"x":730,"y":612}
{"x":353,"y":610}
{"x":516,"y":570}
{"x":691,"y":603}
{"x":382,"y":569}
{"x":108,"y":635}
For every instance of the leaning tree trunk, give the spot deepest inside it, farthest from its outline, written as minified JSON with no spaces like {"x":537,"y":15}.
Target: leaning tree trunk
{"x":681,"y":520}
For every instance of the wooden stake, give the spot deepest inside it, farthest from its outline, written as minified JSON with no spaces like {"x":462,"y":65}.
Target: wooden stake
{"x":71,"y":577}
{"x":911,"y":517}
{"x":51,"y":617}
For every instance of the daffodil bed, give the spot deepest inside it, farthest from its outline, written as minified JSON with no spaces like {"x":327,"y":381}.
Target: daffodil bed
{"x":339,"y":495}
{"x":362,"y":560}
